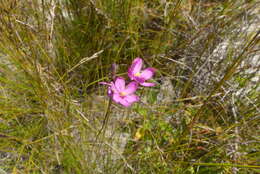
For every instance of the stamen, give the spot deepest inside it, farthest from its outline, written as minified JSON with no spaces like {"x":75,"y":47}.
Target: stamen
{"x":138,"y":74}
{"x":122,"y":93}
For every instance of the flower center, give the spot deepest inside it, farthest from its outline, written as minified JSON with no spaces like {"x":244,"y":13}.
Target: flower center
{"x":137,"y":74}
{"x":122,"y":94}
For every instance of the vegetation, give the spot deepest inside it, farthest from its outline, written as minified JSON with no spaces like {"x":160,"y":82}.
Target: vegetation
{"x":201,"y":117}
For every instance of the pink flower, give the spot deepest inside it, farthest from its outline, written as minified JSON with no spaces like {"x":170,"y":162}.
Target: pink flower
{"x":122,"y":94}
{"x":135,"y":73}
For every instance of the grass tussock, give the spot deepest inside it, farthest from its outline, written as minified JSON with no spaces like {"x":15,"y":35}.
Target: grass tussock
{"x":202,"y":117}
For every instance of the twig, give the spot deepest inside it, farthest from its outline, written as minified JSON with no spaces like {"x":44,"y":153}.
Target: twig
{"x":236,"y":142}
{"x":50,"y":27}
{"x":30,"y":26}
{"x":105,"y":121}
{"x":83,"y":60}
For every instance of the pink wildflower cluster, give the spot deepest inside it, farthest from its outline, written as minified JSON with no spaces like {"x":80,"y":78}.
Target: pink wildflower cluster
{"x":125,"y":94}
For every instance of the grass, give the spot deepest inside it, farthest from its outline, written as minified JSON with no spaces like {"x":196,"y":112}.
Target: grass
{"x":202,"y":117}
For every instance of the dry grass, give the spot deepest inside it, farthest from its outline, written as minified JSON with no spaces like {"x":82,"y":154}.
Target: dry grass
{"x":202,"y":117}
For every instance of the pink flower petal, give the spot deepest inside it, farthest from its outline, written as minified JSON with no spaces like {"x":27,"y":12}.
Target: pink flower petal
{"x":139,"y":79}
{"x":131,"y":88}
{"x":135,"y":67}
{"x":125,"y":103}
{"x":130,"y":75}
{"x":147,"y":84}
{"x":113,"y":88}
{"x":117,"y":98}
{"x":147,"y":73}
{"x":120,"y":84}
{"x":132,"y":98}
